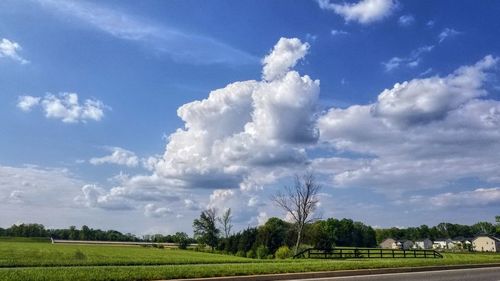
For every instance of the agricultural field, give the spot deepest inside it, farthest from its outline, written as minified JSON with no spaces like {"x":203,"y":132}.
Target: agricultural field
{"x":44,"y":261}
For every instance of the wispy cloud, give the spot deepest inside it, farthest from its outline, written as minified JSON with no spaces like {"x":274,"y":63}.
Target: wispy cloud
{"x":335,"y":32}
{"x":413,"y":60}
{"x":406,"y":20}
{"x":446,"y":33}
{"x":179,"y":45}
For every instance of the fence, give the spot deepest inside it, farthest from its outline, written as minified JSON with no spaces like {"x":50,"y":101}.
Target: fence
{"x":369,"y":253}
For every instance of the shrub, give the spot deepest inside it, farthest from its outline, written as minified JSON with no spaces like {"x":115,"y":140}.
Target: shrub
{"x":79,"y":255}
{"x":241,"y":253}
{"x":262,"y":252}
{"x":251,"y":254}
{"x":283,"y":252}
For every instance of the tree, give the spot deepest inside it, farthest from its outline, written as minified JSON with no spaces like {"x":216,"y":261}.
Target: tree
{"x":299,"y":201}
{"x":225,"y":221}
{"x":205,"y":228}
{"x":182,"y":240}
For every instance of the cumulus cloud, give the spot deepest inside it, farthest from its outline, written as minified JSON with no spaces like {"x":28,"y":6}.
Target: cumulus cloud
{"x":364,"y":11}
{"x":151,"y":210}
{"x":246,"y":126}
{"x":118,"y":156}
{"x":424,"y":133}
{"x":65,"y":107}
{"x":425,"y":100}
{"x":26,"y":103}
{"x":10,"y":49}
{"x":96,"y":197}
{"x":284,"y":56}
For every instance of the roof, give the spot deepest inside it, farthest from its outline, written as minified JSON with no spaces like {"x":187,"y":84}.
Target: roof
{"x":489,"y":236}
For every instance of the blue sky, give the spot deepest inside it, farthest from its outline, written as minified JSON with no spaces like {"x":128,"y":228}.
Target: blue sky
{"x":120,"y":111}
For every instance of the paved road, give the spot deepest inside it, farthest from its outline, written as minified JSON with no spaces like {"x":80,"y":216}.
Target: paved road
{"x":476,"y":274}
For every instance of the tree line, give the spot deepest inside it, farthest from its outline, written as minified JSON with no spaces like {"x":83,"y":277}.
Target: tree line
{"x":71,"y":233}
{"x":440,"y":231}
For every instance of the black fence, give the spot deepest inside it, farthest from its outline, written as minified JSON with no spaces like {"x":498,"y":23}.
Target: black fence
{"x":365,"y":253}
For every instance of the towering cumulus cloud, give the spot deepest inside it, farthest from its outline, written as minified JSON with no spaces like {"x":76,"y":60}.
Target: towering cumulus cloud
{"x":246,"y":125}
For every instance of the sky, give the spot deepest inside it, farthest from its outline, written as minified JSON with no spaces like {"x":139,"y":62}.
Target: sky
{"x":136,"y":116}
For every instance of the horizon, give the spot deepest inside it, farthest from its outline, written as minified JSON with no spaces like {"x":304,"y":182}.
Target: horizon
{"x":137,"y":116}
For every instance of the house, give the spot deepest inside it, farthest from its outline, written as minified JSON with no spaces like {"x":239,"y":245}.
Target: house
{"x":405,"y":244}
{"x":389,"y":243}
{"x":443,"y":244}
{"x":486,"y":243}
{"x":463,"y":243}
{"x":424,"y":244}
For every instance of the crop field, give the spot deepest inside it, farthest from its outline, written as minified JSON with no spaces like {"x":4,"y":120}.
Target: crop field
{"x":44,"y":261}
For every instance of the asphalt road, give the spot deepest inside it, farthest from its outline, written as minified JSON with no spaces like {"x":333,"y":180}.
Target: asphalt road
{"x":476,"y":274}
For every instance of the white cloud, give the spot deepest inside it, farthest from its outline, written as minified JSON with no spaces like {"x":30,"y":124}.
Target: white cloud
{"x":425,"y":133}
{"x":10,"y":49}
{"x":406,"y":20}
{"x":26,"y":103}
{"x":65,"y":106}
{"x":35,"y":186}
{"x":179,"y":45}
{"x":364,"y":11}
{"x":152,"y":210}
{"x":425,"y":100}
{"x":246,"y":126}
{"x":338,"y":32}
{"x":284,"y":56}
{"x":118,"y":156}
{"x":413,"y":60}
{"x":446,"y":33}
{"x":475,"y":198}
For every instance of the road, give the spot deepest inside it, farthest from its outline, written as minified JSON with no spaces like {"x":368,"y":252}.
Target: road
{"x":475,"y":274}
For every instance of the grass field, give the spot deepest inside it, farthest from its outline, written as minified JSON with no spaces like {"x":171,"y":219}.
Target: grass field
{"x":45,"y":261}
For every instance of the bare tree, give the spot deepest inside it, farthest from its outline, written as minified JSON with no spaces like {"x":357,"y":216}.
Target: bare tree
{"x":299,"y":202}
{"x":225,"y":221}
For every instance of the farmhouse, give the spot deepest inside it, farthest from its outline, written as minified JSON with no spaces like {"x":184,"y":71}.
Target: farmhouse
{"x":486,"y":243}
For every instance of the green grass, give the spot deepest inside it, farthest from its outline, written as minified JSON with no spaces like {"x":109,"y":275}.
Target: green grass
{"x":23,"y":254}
{"x":126,"y":263}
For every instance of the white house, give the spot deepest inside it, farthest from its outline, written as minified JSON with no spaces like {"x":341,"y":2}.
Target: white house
{"x":441,"y":244}
{"x":486,"y":243}
{"x":423,"y":244}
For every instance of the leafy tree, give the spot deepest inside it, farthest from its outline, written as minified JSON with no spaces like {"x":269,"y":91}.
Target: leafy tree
{"x":182,"y":240}
{"x":205,"y":228}
{"x":273,"y":234}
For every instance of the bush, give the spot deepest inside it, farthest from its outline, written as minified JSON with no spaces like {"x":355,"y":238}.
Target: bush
{"x":283,"y":252}
{"x":251,"y":254}
{"x":241,"y":253}
{"x":262,"y":252}
{"x":79,"y":255}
